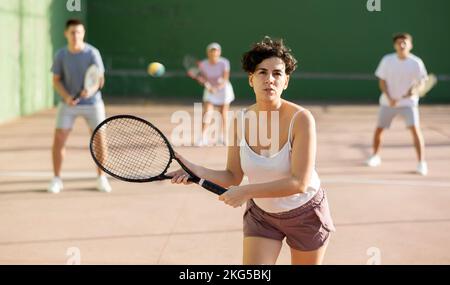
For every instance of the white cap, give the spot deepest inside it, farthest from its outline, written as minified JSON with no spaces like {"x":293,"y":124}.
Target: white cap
{"x":213,"y":46}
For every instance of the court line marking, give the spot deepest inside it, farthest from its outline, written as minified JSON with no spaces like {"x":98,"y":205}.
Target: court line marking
{"x":324,"y":179}
{"x":211,"y":232}
{"x":351,"y":180}
{"x":112,"y":237}
{"x":48,"y":174}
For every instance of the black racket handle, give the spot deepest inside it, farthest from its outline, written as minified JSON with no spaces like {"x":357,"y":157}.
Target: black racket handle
{"x":208,"y":185}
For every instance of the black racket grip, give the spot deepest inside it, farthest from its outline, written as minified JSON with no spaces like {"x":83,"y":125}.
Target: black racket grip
{"x":208,"y":185}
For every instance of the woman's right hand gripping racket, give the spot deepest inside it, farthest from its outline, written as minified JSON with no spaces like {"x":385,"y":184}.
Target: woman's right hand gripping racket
{"x":91,"y":82}
{"x":133,"y":150}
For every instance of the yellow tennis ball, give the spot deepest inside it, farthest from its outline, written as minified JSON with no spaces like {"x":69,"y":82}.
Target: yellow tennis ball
{"x":156,"y":69}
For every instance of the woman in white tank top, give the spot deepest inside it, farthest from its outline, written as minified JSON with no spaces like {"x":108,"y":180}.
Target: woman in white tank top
{"x":284,"y":198}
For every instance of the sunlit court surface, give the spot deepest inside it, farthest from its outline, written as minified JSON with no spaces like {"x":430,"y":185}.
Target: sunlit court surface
{"x":352,"y":170}
{"x":386,"y":215}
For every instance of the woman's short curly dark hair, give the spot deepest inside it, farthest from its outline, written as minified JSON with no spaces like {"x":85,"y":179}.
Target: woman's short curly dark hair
{"x":268,"y":48}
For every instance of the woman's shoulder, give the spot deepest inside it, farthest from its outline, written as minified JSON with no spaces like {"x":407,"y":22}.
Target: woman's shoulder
{"x":293,"y":108}
{"x":300,"y":114}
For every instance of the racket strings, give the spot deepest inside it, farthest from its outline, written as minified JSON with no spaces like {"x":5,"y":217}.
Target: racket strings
{"x":189,"y":62}
{"x":191,"y":65}
{"x":131,"y":149}
{"x":135,"y":158}
{"x":144,"y":142}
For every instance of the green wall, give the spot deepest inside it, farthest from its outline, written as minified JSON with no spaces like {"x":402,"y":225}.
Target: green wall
{"x":31,"y":31}
{"x":332,"y":40}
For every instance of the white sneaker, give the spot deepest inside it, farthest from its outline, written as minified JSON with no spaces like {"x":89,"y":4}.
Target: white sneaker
{"x":373,"y":161}
{"x":103,"y":184}
{"x":55,"y":185}
{"x":422,"y":168}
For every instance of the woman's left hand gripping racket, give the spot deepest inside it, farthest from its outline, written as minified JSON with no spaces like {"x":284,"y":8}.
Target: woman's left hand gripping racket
{"x":131,"y":149}
{"x":91,"y":82}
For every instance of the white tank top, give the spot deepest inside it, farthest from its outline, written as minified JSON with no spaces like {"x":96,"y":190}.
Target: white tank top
{"x":262,"y":169}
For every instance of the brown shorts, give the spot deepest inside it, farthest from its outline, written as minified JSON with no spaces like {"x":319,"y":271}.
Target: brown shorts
{"x":306,"y":228}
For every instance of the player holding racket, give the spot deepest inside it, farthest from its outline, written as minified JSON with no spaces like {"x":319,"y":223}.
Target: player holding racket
{"x":69,"y":70}
{"x":401,"y":76}
{"x":284,"y":196}
{"x":215,"y":77}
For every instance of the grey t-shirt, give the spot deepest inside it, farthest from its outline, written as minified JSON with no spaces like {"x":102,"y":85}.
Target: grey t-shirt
{"x":72,"y":67}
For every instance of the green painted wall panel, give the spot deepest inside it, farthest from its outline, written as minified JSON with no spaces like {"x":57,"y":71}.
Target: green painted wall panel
{"x":338,"y":37}
{"x":31,"y":32}
{"x":330,"y":38}
{"x":35,"y":56}
{"x":9,"y":68}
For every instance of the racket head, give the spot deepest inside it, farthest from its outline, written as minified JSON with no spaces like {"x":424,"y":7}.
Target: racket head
{"x":92,"y":80}
{"x":191,"y":64}
{"x":430,"y":82}
{"x":131,"y":149}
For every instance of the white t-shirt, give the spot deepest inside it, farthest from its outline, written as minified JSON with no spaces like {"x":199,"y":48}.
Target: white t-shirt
{"x":214,"y":72}
{"x":400,"y":75}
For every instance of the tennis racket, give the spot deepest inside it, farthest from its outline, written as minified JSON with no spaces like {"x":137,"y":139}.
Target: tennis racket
{"x":133,"y":150}
{"x":429,"y":83}
{"x":191,"y":64}
{"x":91,"y":81}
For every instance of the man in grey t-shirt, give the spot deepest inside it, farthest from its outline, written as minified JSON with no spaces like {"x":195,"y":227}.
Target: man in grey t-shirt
{"x":69,"y":67}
